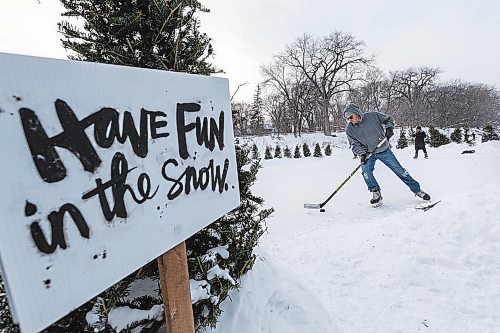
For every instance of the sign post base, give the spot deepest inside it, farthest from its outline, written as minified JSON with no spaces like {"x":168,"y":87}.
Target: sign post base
{"x":174,"y":284}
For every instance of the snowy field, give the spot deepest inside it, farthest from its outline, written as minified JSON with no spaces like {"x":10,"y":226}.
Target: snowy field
{"x":358,"y":269}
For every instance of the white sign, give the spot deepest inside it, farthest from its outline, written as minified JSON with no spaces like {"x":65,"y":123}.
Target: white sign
{"x":103,"y":169}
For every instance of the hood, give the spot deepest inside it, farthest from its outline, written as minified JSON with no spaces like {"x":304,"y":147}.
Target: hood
{"x":351,"y":109}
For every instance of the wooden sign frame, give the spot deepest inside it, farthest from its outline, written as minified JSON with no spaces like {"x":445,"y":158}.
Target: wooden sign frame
{"x":99,"y":157}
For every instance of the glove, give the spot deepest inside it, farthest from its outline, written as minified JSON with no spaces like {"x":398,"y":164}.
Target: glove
{"x":389,"y":133}
{"x":363,"y":159}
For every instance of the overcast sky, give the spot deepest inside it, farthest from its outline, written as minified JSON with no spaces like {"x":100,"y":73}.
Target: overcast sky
{"x":461,"y":37}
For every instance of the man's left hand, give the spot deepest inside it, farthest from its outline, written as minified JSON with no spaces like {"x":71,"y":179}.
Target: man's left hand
{"x":389,"y":133}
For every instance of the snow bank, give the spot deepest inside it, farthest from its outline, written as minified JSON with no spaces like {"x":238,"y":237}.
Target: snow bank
{"x":270,"y":300}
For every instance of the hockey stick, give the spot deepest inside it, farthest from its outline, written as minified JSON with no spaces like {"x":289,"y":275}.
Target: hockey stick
{"x":320,"y":205}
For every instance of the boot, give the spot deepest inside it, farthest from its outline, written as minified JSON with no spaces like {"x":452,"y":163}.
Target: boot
{"x":416,"y":155}
{"x":423,"y":195}
{"x":425,"y":156}
{"x":377,"y":198}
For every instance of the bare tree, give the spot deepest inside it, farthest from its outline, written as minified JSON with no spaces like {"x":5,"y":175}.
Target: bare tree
{"x":292,"y":85}
{"x":332,"y":64}
{"x":370,"y":94}
{"x":238,"y":88}
{"x":309,"y":107}
{"x":412,"y":91}
{"x":275,"y":107}
{"x":464,"y":104}
{"x":242,"y":113}
{"x":315,"y":77}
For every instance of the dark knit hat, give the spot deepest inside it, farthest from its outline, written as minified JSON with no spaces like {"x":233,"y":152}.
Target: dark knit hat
{"x":351,"y":109}
{"x":418,"y":127}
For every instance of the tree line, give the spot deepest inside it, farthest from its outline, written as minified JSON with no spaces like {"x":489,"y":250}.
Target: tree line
{"x":308,"y":84}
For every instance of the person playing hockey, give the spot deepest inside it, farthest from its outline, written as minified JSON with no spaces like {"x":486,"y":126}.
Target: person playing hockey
{"x":365,"y":131}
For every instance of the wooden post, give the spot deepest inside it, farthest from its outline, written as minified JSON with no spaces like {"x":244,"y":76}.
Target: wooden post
{"x":174,"y":284}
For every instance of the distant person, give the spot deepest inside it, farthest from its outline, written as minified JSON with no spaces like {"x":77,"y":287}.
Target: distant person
{"x":420,"y":142}
{"x":365,"y":131}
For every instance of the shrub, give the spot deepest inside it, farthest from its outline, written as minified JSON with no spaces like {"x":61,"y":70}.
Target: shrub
{"x":317,"y":151}
{"x":255,"y":152}
{"x":489,"y":134}
{"x":437,"y":138}
{"x":469,"y":136}
{"x":277,"y":152}
{"x":456,"y":135}
{"x":268,"y":155}
{"x":328,"y":150}
{"x":297,"y":153}
{"x":306,"y":150}
{"x":403,"y":140}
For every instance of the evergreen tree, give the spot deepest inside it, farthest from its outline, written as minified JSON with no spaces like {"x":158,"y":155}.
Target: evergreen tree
{"x":277,"y":151}
{"x":257,"y":118}
{"x":467,"y":136}
{"x":411,"y":137}
{"x":456,"y":135}
{"x":239,"y":232}
{"x":268,"y":155}
{"x":489,"y":134}
{"x":403,"y":140}
{"x":437,"y":138}
{"x":297,"y":153}
{"x":328,"y":150}
{"x":306,"y":150}
{"x":161,"y":34}
{"x":6,"y":324}
{"x":287,"y":153}
{"x":255,"y":152}
{"x":317,"y":151}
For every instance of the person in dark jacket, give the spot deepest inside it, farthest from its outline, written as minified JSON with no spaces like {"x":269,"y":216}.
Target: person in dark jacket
{"x":365,"y":131}
{"x":420,"y":142}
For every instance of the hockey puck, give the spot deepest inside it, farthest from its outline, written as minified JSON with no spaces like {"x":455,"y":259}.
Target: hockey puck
{"x":322,"y":210}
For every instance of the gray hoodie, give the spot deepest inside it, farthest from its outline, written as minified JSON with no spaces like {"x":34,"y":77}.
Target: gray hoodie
{"x":367,"y":134}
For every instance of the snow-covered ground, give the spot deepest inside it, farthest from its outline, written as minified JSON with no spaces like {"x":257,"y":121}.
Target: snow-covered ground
{"x":355,"y":268}
{"x":358,"y":269}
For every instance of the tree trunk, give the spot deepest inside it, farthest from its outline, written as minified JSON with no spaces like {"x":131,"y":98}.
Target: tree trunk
{"x":327,"y":128}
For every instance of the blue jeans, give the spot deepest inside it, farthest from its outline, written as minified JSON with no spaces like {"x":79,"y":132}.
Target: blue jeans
{"x":388,"y":158}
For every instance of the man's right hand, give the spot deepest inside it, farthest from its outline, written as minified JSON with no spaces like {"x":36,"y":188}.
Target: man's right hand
{"x":363,"y":159}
